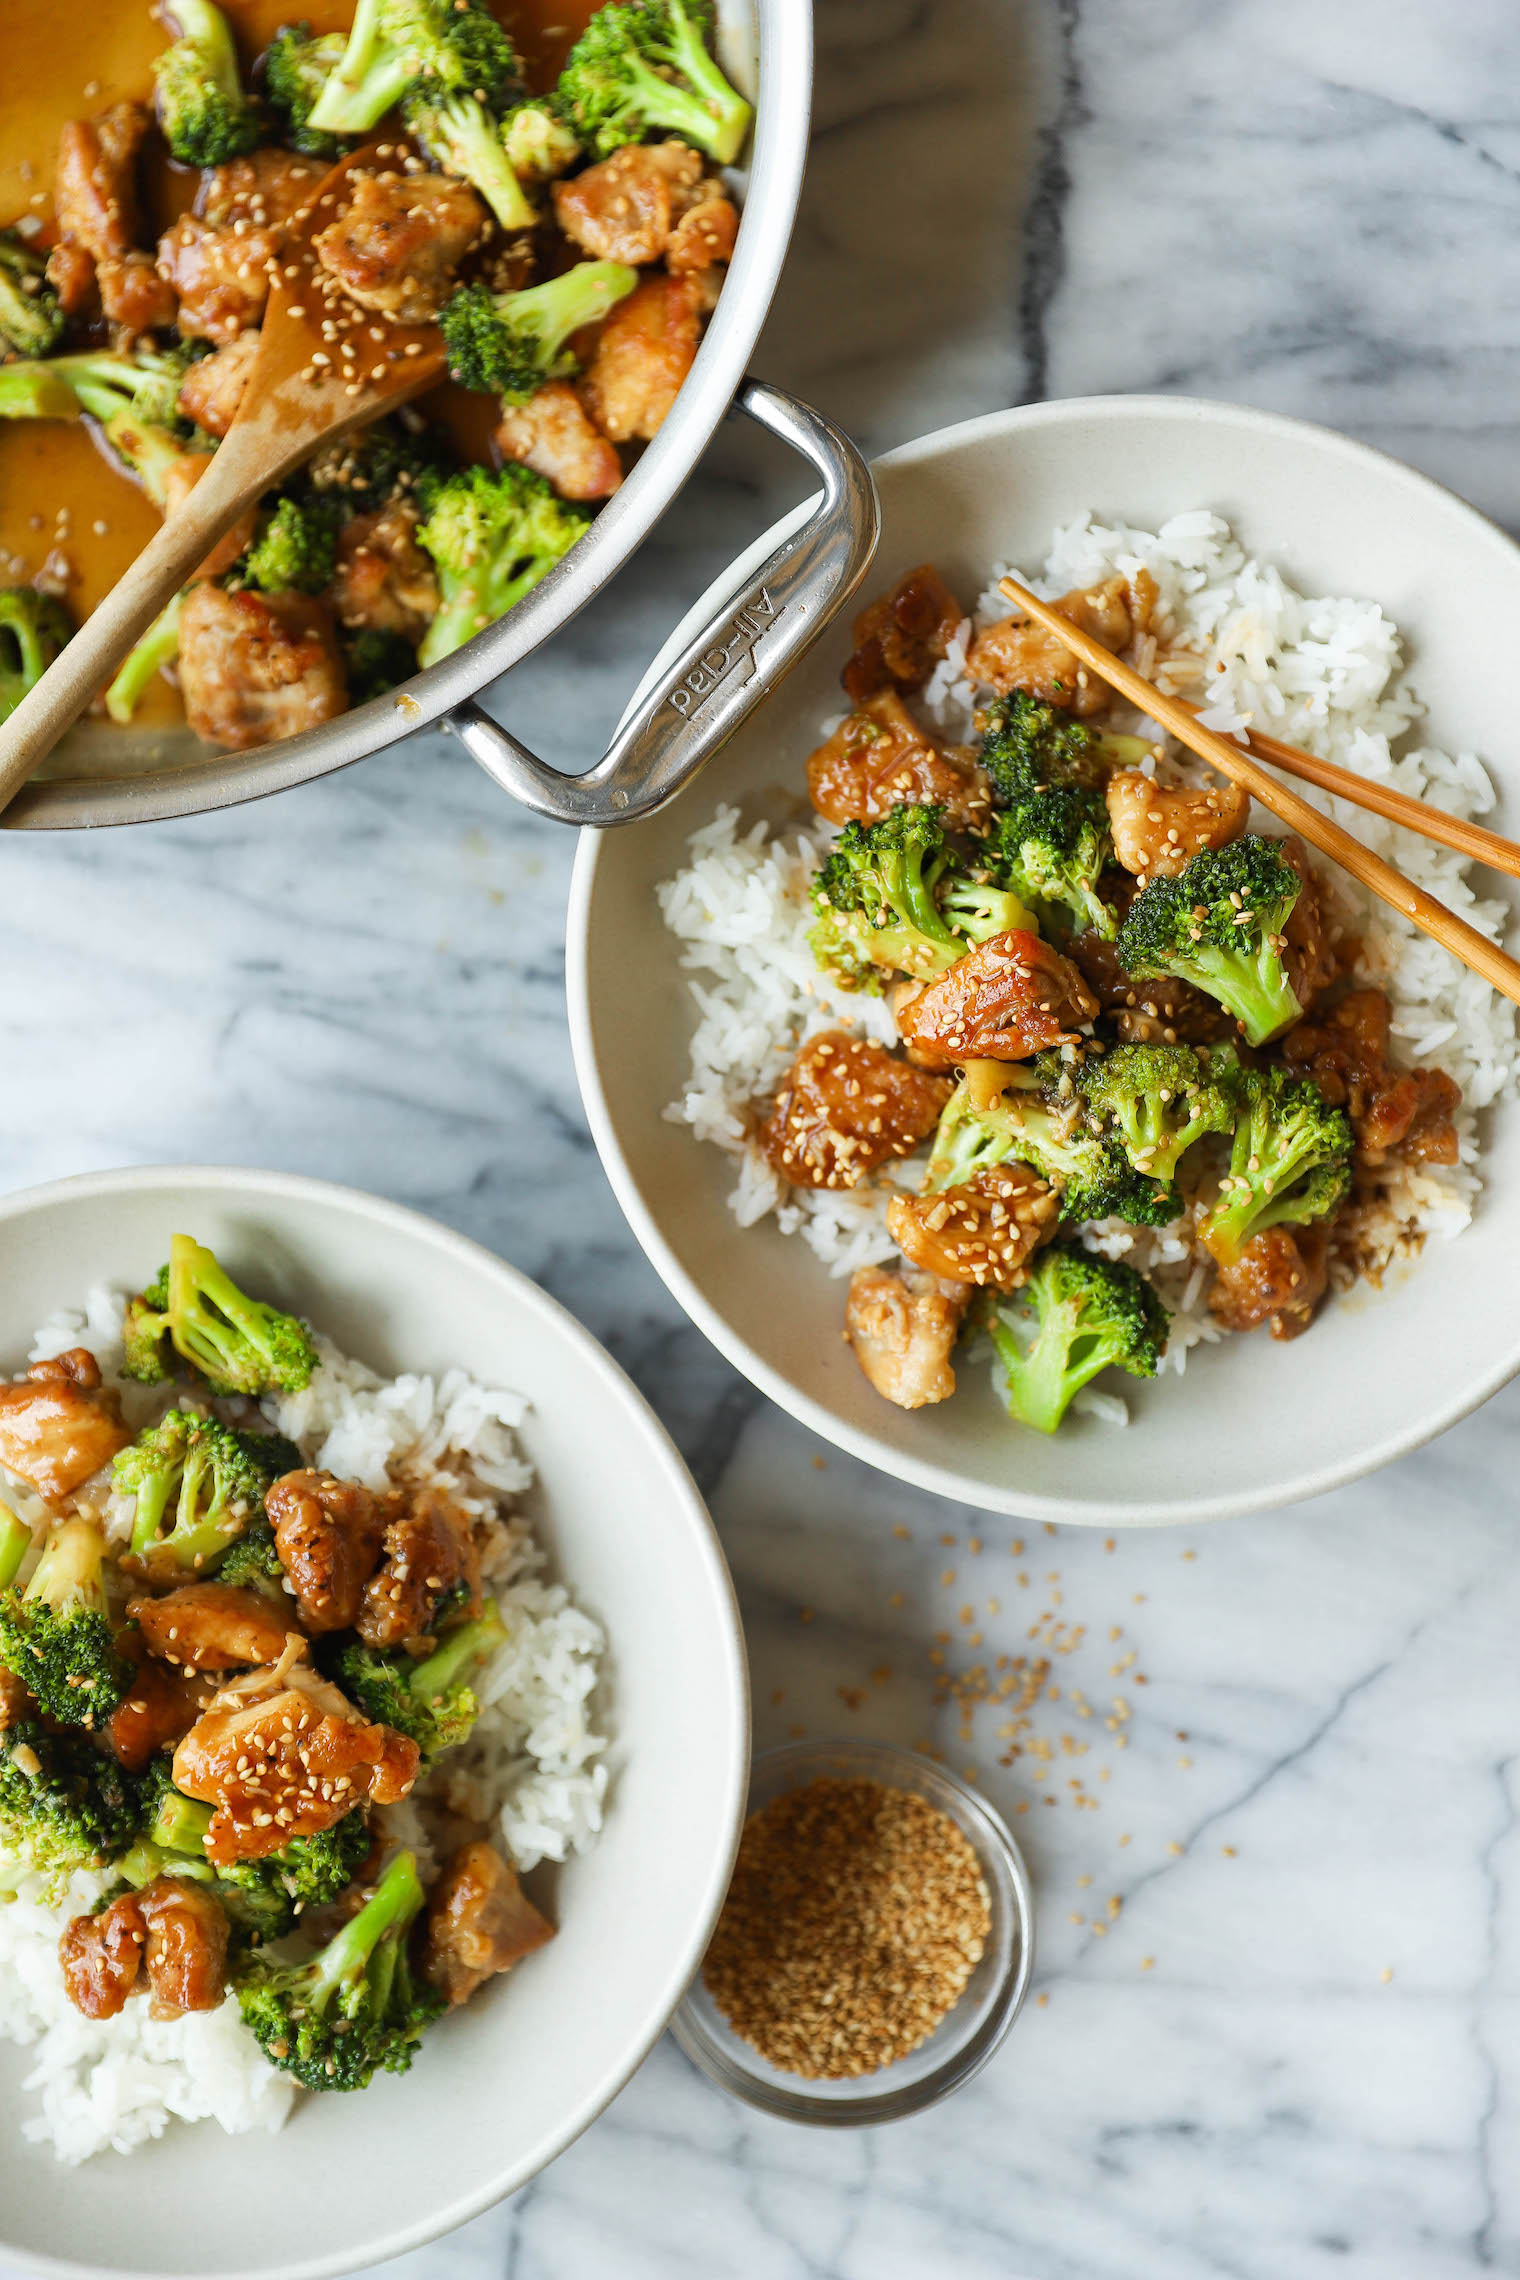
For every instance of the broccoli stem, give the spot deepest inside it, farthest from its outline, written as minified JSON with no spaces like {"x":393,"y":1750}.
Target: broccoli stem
{"x":395,"y":1900}
{"x":15,"y":1543}
{"x":1038,"y":1381}
{"x":367,"y":82}
{"x":69,"y":1571}
{"x":37,"y":391}
{"x":461,"y":136}
{"x":467,"y":1643}
{"x":715,"y":117}
{"x":181,"y":1824}
{"x":1256,"y":990}
{"x":157,"y":648}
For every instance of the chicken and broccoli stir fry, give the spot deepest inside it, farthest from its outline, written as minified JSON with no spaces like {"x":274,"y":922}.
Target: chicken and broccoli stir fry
{"x":217,"y":1666}
{"x":570,"y":244}
{"x":1116,"y":1007}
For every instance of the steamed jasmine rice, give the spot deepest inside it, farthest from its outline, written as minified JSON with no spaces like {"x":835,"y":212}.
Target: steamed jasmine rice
{"x":1325,"y":672}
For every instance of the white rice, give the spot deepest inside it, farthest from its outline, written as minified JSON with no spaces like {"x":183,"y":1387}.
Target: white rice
{"x":1325,"y":672}
{"x":531,"y":1766}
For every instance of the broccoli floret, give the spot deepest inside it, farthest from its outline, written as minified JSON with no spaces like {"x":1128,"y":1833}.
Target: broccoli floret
{"x":509,"y":344}
{"x":392,"y":458}
{"x":979,"y":910}
{"x":158,"y":647}
{"x":643,"y":67}
{"x":55,"y":1634}
{"x":295,"y":547}
{"x":539,"y":140}
{"x":1157,"y":1100}
{"x":133,"y":397}
{"x":1290,"y":1160}
{"x":375,"y":661}
{"x":352,"y":2008}
{"x":401,"y":47}
{"x":33,"y":629}
{"x":297,"y":68}
{"x":1050,"y":846}
{"x":1028,"y":744}
{"x":1219,"y":925}
{"x":492,"y":536}
{"x":1090,"y":1314}
{"x":31,"y":315}
{"x":253,"y":1557}
{"x":262,"y":1898}
{"x":1038,"y":1122}
{"x":204,"y":113}
{"x":213,"y":1477}
{"x":875,"y":897}
{"x":63,"y":1803}
{"x":462,"y":137}
{"x":432,"y":1700}
{"x":239,"y":1344}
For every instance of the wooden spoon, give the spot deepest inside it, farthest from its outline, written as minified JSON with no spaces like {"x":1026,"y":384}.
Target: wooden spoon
{"x":305,"y":389}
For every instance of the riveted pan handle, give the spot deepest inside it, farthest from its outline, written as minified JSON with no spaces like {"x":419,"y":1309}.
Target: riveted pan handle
{"x":720,"y":677}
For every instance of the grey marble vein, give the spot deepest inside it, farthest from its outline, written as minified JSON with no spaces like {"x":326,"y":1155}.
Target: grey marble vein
{"x":1276,"y":2033}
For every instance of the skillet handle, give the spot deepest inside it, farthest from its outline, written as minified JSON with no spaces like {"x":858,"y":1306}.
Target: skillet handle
{"x":733,"y":663}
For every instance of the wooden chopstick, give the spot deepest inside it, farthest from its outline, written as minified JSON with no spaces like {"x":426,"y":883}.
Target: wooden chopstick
{"x":1429,"y":821}
{"x":1400,"y":894}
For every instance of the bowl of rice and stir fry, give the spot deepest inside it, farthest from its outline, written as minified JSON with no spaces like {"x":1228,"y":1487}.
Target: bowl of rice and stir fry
{"x":1032,"y":1064}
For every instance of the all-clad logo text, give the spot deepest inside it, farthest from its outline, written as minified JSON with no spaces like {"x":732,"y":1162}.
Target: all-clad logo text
{"x":712,"y":667}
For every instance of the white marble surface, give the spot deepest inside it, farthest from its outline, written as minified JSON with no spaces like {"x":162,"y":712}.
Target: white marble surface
{"x":1318,"y":2072}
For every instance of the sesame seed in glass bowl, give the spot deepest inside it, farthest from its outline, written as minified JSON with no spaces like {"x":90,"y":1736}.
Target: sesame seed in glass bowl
{"x":876,"y":1944}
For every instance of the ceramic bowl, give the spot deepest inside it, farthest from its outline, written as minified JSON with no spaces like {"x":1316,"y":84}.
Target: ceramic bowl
{"x":1252,"y":1424}
{"x":503,"y":2086}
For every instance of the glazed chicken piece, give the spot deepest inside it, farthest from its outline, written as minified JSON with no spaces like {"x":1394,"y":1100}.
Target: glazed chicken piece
{"x":982,"y":1232}
{"x":1280,"y":1278}
{"x":397,"y":246}
{"x":16,"y":1704}
{"x":1346,"y":1054}
{"x":265,"y":190}
{"x":551,"y":434}
{"x":212,"y":389}
{"x":328,"y":1534}
{"x":1159,"y":828}
{"x":287,"y":1765}
{"x":426,"y":1553}
{"x":1164,"y":1011}
{"x":212,"y":1626}
{"x":57,"y":1426}
{"x":1014,"y":654}
{"x":479,"y":1921}
{"x":706,"y":234}
{"x":1011,"y":996}
{"x":256,"y":667}
{"x":220,"y":273}
{"x":173,"y":1929}
{"x":95,"y":198}
{"x":158,"y":1709}
{"x":902,"y":1327}
{"x":879,"y":758}
{"x":643,"y":353}
{"x":625,"y":207}
{"x":902,"y":637}
{"x":846,"y":1107}
{"x":384,"y":581}
{"x":1308,"y":959}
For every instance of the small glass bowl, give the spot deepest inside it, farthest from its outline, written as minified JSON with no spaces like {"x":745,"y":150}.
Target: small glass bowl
{"x":967,"y":2036}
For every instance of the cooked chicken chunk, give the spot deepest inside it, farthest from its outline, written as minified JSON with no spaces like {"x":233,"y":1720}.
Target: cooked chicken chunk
{"x":625,"y":207}
{"x":16,"y":1703}
{"x":1279,"y":1278}
{"x":1309,"y":960}
{"x":981,"y":1232}
{"x":220,"y":272}
{"x":384,"y":581}
{"x":1159,"y":828}
{"x":57,"y":1426}
{"x":159,"y":1707}
{"x":256,"y":667}
{"x":284,"y":1766}
{"x":551,"y":434}
{"x":1014,"y":654}
{"x":706,"y":234}
{"x":1009,"y":997}
{"x":902,"y":1328}
{"x":643,"y":352}
{"x":879,"y":758}
{"x":902,"y":636}
{"x":327,"y":1533}
{"x":212,"y":390}
{"x":479,"y":1921}
{"x":1346,"y":1054}
{"x":1160,"y":1012}
{"x":427,"y":1552}
{"x":264,"y":190}
{"x":173,"y":1928}
{"x":397,"y":246}
{"x":95,"y":198}
{"x":846,"y":1106}
{"x":212,"y":1626}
